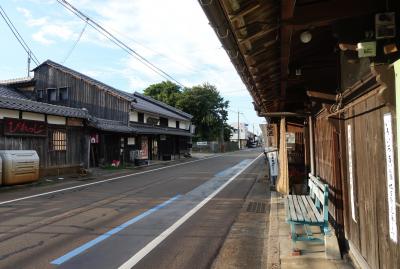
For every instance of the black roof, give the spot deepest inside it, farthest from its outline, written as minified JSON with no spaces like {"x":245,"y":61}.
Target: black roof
{"x":111,"y":125}
{"x":38,"y":107}
{"x":157,"y":107}
{"x":10,"y":92}
{"x":90,"y":80}
{"x":153,"y":129}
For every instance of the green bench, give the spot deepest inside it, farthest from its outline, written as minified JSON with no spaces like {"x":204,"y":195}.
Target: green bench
{"x":308,"y":210}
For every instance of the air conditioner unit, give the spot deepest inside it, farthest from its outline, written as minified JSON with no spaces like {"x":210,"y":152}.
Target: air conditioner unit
{"x":385,"y":25}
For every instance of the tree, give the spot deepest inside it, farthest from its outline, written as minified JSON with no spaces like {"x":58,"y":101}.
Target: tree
{"x":209,"y":110}
{"x":166,"y":91}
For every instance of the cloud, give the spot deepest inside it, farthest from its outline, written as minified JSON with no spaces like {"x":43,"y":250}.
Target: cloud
{"x":180,"y":43}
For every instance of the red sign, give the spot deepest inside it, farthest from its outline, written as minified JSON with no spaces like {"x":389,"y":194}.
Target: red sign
{"x":17,"y":127}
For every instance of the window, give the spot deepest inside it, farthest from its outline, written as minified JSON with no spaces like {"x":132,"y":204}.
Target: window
{"x":63,"y":94}
{"x":58,"y":140}
{"x":164,"y":122}
{"x":177,"y":124}
{"x":140,"y":117}
{"x":52,"y":95}
{"x":40,"y":95}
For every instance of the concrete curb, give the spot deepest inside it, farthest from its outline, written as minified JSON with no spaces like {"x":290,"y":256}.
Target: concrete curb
{"x":271,"y":251}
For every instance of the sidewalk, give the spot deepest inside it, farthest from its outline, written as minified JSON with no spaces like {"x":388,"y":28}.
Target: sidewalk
{"x":280,"y":245}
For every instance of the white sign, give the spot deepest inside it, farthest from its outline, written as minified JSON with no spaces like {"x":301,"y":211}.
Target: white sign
{"x":351,"y":179}
{"x":131,"y":141}
{"x":273,"y":163}
{"x":202,"y":143}
{"x":390,"y":174}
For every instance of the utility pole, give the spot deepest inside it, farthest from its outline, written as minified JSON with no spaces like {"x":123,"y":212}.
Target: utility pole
{"x":238,"y":131}
{"x":29,"y":63}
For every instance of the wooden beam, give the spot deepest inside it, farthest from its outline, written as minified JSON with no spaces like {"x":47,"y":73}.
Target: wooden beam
{"x":258,"y":34}
{"x":244,"y":11}
{"x":321,"y":95}
{"x":326,"y":12}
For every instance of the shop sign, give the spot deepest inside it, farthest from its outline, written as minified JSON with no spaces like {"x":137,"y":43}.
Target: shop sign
{"x":273,"y":163}
{"x":144,"y":152}
{"x":201,"y":143}
{"x":17,"y":127}
{"x":366,"y":49}
{"x":351,"y":179}
{"x":390,"y":176}
{"x":94,"y":138}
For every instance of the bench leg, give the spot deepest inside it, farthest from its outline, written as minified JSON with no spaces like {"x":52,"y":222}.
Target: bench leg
{"x":325,"y":229}
{"x":295,"y":250}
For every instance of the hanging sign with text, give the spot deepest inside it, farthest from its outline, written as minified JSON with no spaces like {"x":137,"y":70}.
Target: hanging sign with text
{"x":390,"y":175}
{"x":18,"y":127}
{"x":351,"y":178}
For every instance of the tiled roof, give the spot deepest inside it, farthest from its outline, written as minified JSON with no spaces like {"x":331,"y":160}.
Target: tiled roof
{"x":38,"y":107}
{"x":158,"y":107}
{"x":148,"y":129}
{"x":90,"y":80}
{"x":16,"y":80}
{"x":111,"y":125}
{"x":10,"y":92}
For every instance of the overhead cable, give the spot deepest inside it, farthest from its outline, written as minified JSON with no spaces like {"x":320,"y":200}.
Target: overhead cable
{"x":18,"y":35}
{"x":117,"y":41}
{"x":75,"y":44}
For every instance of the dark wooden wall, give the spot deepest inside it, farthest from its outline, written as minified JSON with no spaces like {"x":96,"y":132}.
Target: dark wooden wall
{"x":370,"y":233}
{"x":327,"y":166}
{"x":82,"y":94}
{"x":75,"y":155}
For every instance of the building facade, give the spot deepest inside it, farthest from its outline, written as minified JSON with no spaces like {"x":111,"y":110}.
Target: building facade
{"x":86,"y":123}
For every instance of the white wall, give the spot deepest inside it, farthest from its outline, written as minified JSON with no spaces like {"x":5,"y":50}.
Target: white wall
{"x":32,"y":116}
{"x":133,"y":116}
{"x":171,"y":123}
{"x":56,"y":120}
{"x":8,"y":113}
{"x":185,"y":125}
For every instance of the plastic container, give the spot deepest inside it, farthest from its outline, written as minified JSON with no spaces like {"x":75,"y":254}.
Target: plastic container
{"x":19,"y":166}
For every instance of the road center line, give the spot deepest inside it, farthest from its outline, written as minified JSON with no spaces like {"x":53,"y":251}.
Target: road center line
{"x":104,"y":236}
{"x":156,"y":241}
{"x":102,"y":181}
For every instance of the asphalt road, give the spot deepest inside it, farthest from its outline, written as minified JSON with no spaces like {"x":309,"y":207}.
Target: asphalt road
{"x":172,"y":217}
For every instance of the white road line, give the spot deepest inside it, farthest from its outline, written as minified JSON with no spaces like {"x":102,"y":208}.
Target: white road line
{"x":102,"y":181}
{"x":156,"y":241}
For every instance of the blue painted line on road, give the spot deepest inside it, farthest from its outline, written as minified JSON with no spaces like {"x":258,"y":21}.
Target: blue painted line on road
{"x":111,"y":232}
{"x":231,"y":170}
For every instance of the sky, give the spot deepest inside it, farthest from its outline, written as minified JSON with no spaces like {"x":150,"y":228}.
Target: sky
{"x":174,"y":35}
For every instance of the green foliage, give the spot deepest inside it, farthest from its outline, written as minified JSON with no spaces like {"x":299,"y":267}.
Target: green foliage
{"x":203,"y":102}
{"x":166,"y":91}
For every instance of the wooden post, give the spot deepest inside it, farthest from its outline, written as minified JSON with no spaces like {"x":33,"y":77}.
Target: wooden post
{"x":311,"y":134}
{"x":282,"y":185}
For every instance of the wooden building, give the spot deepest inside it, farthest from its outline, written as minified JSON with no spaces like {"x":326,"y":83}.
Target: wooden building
{"x":330,"y":66}
{"x":164,"y":130}
{"x":57,"y":133}
{"x":114,"y":126}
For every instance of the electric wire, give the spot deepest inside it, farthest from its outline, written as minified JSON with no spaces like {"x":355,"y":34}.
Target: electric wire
{"x":117,"y":41}
{"x":75,"y":44}
{"x":17,"y":35}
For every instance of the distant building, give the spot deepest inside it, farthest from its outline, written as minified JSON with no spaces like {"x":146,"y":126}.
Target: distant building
{"x":244,"y":133}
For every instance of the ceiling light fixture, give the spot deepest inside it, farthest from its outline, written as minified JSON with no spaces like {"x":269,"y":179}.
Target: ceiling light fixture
{"x":305,"y":37}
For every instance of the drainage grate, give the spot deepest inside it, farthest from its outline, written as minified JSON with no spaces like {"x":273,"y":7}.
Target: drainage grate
{"x":256,"y":207}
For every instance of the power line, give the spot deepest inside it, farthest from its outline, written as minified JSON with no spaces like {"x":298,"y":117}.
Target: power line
{"x":75,"y":44}
{"x":18,"y":35}
{"x":117,"y":41}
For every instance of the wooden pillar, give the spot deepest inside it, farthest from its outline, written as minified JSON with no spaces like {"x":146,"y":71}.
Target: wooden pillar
{"x":311,"y":135}
{"x":282,"y":185}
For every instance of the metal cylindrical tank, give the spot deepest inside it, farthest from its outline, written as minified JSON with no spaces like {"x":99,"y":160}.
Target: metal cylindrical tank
{"x":19,"y":166}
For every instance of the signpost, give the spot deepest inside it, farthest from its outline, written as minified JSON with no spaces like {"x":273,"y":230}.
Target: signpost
{"x":18,"y":127}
